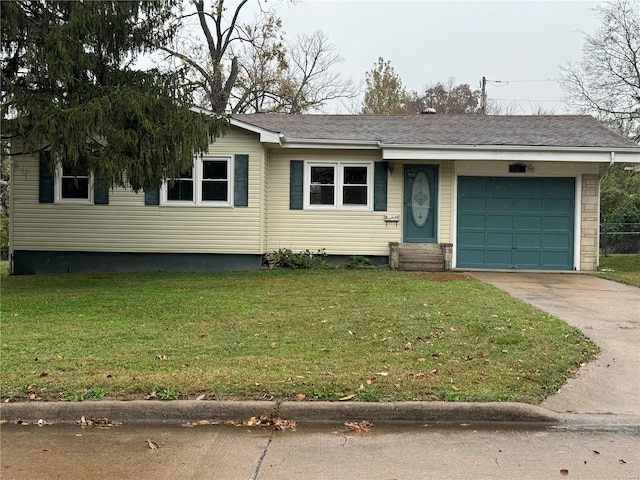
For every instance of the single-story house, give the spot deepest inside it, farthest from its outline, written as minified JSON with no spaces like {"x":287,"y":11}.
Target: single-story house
{"x":414,"y":191}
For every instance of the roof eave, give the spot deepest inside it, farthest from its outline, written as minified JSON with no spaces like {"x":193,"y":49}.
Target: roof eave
{"x":510,"y":152}
{"x":266,"y":136}
{"x":330,"y":144}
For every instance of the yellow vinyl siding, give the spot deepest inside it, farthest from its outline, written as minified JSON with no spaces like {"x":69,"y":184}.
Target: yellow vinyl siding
{"x":445,"y":203}
{"x":128,"y":225}
{"x":339,"y":231}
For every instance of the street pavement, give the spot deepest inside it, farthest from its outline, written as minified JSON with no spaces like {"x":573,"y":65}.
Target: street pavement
{"x":590,"y":430}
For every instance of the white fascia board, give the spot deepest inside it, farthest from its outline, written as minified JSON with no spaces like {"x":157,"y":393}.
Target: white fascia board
{"x":266,"y":136}
{"x":330,"y":144}
{"x":510,"y":153}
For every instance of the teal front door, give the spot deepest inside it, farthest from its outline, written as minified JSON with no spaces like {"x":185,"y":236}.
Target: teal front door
{"x":515,"y":223}
{"x":420,"y":203}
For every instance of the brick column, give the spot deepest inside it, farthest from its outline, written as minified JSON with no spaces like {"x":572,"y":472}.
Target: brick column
{"x":589,"y":222}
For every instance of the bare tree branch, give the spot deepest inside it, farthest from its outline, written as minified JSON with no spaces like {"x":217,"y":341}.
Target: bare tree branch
{"x":606,"y":82}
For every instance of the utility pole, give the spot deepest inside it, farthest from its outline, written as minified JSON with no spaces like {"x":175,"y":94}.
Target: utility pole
{"x":483,"y":97}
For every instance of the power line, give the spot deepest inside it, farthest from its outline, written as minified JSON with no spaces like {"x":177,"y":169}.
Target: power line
{"x":503,"y":83}
{"x":525,"y":100}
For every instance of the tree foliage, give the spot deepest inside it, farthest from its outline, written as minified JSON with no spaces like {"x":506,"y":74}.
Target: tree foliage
{"x":620,"y":195}
{"x":70,"y":85}
{"x":445,"y":97}
{"x":246,"y":66}
{"x":385,"y":92}
{"x":606,"y":82}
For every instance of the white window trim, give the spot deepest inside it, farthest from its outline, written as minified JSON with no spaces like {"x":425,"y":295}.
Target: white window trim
{"x":58,"y":190}
{"x":197,"y":185}
{"x":338,"y":184}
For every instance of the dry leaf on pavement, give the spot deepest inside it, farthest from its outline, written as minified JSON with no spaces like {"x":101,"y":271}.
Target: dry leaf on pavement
{"x":360,"y":427}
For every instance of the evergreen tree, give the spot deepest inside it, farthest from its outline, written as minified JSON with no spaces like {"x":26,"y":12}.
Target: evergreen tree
{"x":70,"y":84}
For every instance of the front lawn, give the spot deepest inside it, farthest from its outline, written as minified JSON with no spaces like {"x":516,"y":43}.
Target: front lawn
{"x":364,"y":335}
{"x":621,"y":268}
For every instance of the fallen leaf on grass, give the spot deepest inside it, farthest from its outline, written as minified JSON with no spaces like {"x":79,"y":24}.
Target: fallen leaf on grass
{"x":347,"y":398}
{"x":152,"y":445}
{"x":162,"y":356}
{"x":151,"y":396}
{"x":301,"y":396}
{"x":359,"y":427}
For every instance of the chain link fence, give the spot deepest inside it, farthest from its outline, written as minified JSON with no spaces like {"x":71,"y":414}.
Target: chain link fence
{"x":619,"y":238}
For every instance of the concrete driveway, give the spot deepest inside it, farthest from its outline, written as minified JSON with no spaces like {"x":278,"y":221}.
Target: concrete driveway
{"x":605,"y":311}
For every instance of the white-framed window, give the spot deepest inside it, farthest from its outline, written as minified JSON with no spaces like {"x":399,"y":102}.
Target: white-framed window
{"x":208,"y":182}
{"x":338,"y":185}
{"x":73,"y":185}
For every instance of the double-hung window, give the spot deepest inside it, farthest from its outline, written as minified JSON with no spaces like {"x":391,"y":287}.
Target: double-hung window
{"x":73,"y":185}
{"x":215,"y":183}
{"x":182,"y":188}
{"x":338,"y":185}
{"x":208,"y":182}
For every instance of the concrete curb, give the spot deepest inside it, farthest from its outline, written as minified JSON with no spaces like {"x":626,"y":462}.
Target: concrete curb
{"x":192,"y":410}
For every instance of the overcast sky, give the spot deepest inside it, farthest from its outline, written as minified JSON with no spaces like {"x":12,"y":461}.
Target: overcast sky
{"x":520,"y":43}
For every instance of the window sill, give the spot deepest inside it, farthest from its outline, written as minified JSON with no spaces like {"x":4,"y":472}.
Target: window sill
{"x":73,"y":201}
{"x":195,"y":205}
{"x":338,"y":209}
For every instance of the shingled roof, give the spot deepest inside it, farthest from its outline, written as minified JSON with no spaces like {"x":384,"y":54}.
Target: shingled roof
{"x":443,"y":130}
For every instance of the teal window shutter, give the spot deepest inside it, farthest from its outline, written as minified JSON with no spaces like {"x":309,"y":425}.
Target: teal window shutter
{"x":45,"y":185}
{"x":100,"y":189}
{"x":296,"y":186}
{"x":152,"y":196}
{"x":380,"y":186}
{"x":241,"y":181}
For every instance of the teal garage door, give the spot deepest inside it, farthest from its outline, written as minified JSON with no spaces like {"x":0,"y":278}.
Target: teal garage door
{"x":518,"y":223}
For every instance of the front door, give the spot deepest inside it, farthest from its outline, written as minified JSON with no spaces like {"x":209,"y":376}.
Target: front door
{"x":420,"y":203}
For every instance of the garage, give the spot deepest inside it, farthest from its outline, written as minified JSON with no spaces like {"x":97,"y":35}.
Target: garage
{"x":515,"y":223}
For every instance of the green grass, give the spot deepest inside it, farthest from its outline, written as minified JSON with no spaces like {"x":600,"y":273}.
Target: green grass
{"x":324,"y":334}
{"x":621,"y":268}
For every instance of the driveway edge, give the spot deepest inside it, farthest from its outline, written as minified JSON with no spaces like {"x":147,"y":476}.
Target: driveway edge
{"x":192,"y":410}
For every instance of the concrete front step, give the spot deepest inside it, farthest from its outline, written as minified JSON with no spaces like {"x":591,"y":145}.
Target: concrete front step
{"x":422,"y":266}
{"x":421,"y":257}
